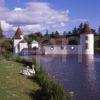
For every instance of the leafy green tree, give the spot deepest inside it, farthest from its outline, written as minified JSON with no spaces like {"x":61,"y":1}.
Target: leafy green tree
{"x":7,"y":45}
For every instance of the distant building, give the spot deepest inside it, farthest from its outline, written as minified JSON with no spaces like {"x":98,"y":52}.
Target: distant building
{"x":19,"y":42}
{"x":34,"y":44}
{"x":82,"y":45}
{"x":87,"y":40}
{"x":20,"y":45}
{"x":63,"y":46}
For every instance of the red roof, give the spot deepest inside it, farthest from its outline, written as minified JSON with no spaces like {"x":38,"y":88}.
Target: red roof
{"x":18,"y":34}
{"x":87,"y":29}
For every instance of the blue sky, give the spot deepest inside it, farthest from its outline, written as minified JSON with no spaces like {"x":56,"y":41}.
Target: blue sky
{"x":65,"y":14}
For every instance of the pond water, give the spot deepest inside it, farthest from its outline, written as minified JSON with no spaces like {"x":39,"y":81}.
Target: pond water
{"x":80,"y":74}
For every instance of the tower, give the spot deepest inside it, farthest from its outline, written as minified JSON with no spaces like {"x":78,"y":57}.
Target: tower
{"x":18,"y":37}
{"x":87,"y":40}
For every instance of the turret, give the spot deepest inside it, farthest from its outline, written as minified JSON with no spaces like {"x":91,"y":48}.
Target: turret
{"x":87,"y":40}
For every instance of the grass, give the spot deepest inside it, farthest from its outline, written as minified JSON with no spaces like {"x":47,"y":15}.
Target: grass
{"x":14,"y":86}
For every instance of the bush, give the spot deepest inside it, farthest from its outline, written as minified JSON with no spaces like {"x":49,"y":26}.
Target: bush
{"x":7,"y":55}
{"x":23,"y":61}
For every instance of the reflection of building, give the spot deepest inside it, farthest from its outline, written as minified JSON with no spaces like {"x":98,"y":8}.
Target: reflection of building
{"x":63,"y":46}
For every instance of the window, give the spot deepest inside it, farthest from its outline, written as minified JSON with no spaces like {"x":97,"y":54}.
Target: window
{"x":86,"y":46}
{"x":72,"y":47}
{"x":52,"y":48}
{"x":18,"y":47}
{"x":86,"y":37}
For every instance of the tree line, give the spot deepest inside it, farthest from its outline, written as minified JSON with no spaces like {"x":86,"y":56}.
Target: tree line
{"x":38,"y":36}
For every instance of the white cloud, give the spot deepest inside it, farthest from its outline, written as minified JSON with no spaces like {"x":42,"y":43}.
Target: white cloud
{"x":6,"y":26}
{"x":18,"y":9}
{"x":35,"y":16}
{"x":32,"y":28}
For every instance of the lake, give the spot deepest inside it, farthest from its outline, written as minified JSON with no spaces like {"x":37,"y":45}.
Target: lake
{"x":80,"y":74}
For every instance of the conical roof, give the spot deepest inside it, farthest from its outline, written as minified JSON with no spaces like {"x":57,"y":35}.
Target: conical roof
{"x":18,"y":34}
{"x":87,"y":29}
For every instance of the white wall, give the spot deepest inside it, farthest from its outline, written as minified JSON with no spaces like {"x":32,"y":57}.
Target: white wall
{"x":22,"y":46}
{"x":89,"y":42}
{"x":16,"y":42}
{"x":18,"y":46}
{"x":34,"y":45}
{"x":69,"y":49}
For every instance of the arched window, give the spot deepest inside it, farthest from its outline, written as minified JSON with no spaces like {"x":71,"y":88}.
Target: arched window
{"x":52,"y":48}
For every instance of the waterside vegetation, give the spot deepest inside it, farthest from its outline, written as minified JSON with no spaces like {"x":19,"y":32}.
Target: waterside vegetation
{"x":17,"y":87}
{"x":51,"y":89}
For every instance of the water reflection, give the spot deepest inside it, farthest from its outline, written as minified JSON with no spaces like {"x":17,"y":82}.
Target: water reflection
{"x":90,"y":71}
{"x":90,"y":74}
{"x":81,"y":77}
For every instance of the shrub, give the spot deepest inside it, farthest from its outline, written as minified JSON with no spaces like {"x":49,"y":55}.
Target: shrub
{"x":7,"y":55}
{"x":23,"y":61}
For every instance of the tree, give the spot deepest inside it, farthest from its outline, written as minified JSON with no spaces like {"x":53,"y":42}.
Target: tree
{"x":75,"y":31}
{"x":94,"y":31}
{"x":69,"y":33}
{"x":80,"y":28}
{"x":64,"y":34}
{"x":99,"y":30}
{"x":57,"y":35}
{"x":7,"y":44}
{"x":52,"y":35}
{"x":47,"y":35}
{"x":1,"y":32}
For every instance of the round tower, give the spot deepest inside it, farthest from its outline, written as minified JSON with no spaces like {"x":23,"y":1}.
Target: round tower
{"x":87,"y":40}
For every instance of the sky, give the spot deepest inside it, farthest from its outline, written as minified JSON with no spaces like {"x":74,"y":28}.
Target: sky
{"x":52,"y":15}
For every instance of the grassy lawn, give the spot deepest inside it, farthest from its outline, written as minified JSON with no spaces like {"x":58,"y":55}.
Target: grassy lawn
{"x":14,"y":86}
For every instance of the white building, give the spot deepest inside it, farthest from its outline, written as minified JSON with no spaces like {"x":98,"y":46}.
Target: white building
{"x":87,"y":40}
{"x":21,"y":45}
{"x":19,"y":42}
{"x":85,"y":46}
{"x":34,"y":44}
{"x":58,"y":46}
